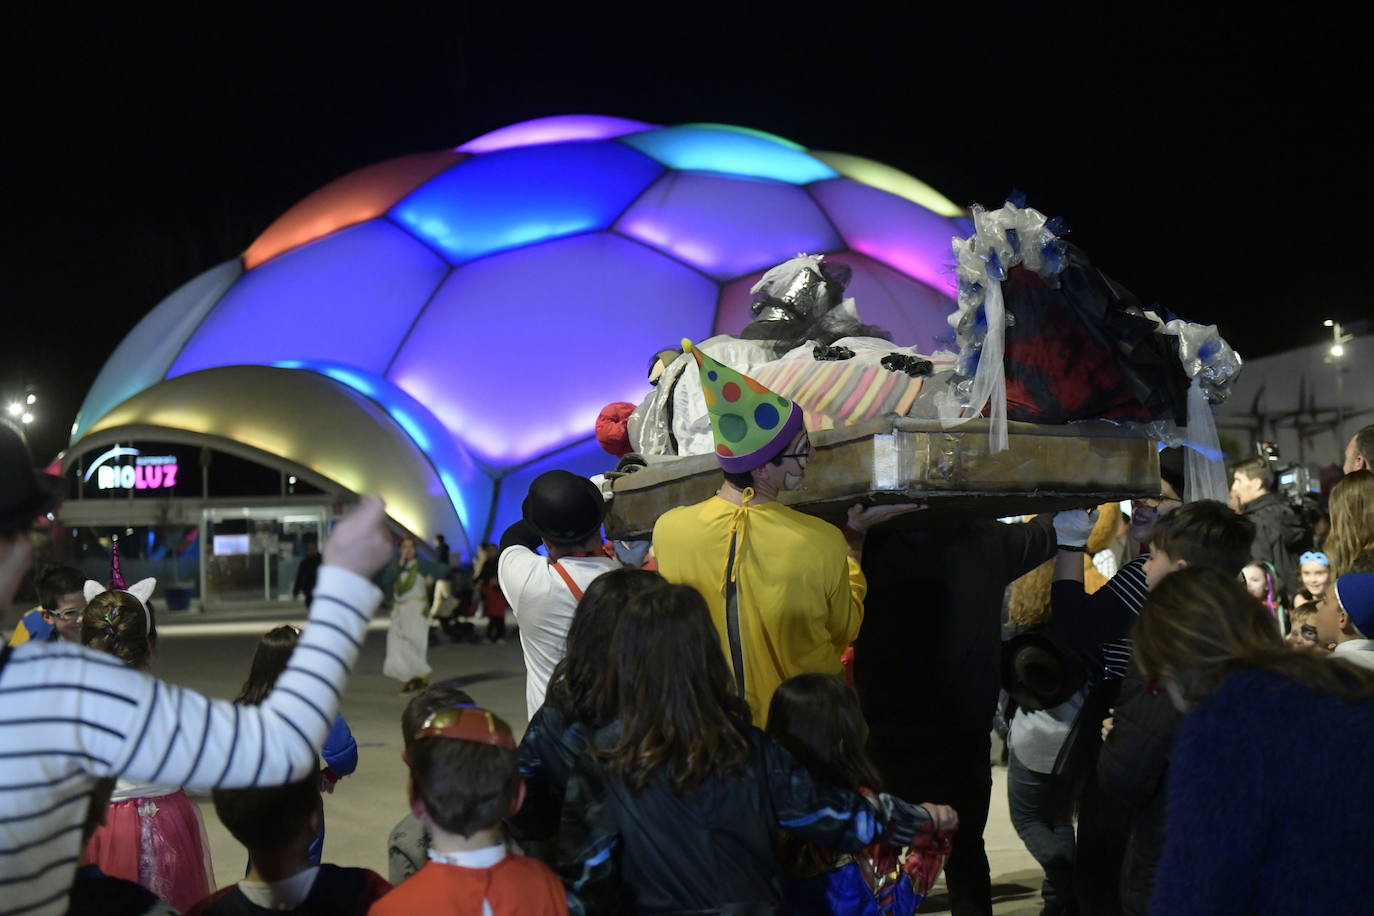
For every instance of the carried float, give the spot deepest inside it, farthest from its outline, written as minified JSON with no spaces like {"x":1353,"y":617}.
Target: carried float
{"x":1061,"y":392}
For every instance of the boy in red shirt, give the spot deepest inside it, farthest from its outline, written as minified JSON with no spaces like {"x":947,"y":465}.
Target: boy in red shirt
{"x":464,"y":780}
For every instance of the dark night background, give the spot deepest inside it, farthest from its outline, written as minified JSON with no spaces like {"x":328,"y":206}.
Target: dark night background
{"x":1211,"y":162}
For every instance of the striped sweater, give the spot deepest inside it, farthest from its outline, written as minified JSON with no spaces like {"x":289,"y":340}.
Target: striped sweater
{"x":71,"y":716}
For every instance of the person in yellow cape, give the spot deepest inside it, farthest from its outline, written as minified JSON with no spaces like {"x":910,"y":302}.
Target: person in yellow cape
{"x":785,"y":589}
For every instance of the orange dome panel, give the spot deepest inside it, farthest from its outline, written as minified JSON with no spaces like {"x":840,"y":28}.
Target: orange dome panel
{"x":362,"y":195}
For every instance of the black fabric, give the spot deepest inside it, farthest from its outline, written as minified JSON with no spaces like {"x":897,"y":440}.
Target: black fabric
{"x":1083,"y":622}
{"x":306,"y":575}
{"x":1103,"y":820}
{"x":548,"y":751}
{"x":732,"y":619}
{"x":521,"y":534}
{"x":926,"y":665}
{"x":927,"y":657}
{"x":1084,"y":349}
{"x":1280,"y":537}
{"x":1133,"y":767}
{"x":947,"y":768}
{"x":337,"y":891}
{"x":95,"y":893}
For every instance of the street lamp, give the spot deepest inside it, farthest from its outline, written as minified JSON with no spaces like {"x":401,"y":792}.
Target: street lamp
{"x":16,"y":408}
{"x":31,"y":399}
{"x":26,"y":418}
{"x":1333,"y":358}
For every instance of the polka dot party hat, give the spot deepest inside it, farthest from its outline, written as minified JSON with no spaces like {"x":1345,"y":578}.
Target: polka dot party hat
{"x":751,"y":423}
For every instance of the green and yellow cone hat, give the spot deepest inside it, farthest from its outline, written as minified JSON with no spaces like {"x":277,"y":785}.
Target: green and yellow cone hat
{"x":751,"y":423}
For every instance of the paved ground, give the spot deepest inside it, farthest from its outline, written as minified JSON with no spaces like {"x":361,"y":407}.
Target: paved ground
{"x":364,"y":807}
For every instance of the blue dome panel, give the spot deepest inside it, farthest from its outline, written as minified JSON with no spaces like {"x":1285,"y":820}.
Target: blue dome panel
{"x":517,"y":353}
{"x":708,"y":149}
{"x":348,"y":298}
{"x":517,"y":197}
{"x":143,"y":357}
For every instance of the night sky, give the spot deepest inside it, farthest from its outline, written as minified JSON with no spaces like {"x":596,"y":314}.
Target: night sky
{"x":1207,"y":163}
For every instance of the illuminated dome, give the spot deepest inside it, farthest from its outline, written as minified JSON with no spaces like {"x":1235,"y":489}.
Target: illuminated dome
{"x":504,"y":291}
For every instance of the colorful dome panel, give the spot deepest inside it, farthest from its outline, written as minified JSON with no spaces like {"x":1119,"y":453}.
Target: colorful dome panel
{"x":348,"y":298}
{"x":711,"y":149}
{"x":354,"y":198}
{"x":727,"y":226}
{"x":489,"y":300}
{"x":144,"y":357}
{"x":557,"y":129}
{"x":893,"y":181}
{"x":891,"y":229}
{"x":521,"y":196}
{"x":578,"y":344}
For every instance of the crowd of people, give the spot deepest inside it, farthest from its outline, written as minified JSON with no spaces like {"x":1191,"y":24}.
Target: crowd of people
{"x":765,"y":714}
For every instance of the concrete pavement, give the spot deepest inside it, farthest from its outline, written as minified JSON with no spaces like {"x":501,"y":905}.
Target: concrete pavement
{"x":362,"y":810}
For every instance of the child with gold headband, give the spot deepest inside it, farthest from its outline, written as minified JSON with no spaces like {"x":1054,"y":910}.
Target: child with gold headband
{"x":464,"y":780}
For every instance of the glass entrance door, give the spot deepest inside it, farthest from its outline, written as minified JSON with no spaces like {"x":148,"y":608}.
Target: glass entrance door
{"x":252,"y":554}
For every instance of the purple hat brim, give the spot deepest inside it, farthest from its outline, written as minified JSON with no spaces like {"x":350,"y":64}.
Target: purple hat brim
{"x":743,"y":464}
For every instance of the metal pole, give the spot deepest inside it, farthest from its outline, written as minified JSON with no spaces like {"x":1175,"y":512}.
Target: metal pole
{"x":1340,"y":407}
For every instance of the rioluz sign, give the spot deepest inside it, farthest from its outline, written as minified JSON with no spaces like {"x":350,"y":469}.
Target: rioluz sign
{"x":146,"y":472}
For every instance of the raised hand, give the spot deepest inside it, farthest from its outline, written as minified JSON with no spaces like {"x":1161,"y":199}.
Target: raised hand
{"x":360,"y":542}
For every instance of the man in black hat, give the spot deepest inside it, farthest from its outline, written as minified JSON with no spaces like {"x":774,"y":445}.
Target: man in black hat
{"x":563,"y":512}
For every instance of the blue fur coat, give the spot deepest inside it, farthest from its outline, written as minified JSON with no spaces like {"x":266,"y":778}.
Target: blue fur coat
{"x":1271,"y":803}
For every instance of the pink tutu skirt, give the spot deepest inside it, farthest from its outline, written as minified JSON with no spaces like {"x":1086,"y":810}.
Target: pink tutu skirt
{"x":158,"y":842}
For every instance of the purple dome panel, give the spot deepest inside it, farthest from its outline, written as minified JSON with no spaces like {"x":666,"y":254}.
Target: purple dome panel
{"x":891,"y":229}
{"x":727,"y":226}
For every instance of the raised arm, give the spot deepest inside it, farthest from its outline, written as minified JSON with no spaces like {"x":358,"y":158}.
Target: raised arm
{"x":169,"y":735}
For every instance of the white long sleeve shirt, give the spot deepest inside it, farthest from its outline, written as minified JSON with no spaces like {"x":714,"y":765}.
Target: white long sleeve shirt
{"x":69,"y":716}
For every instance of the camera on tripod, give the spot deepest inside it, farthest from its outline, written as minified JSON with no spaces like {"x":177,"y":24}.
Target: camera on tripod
{"x":1298,"y":484}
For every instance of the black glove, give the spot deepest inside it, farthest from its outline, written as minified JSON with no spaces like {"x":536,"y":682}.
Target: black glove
{"x":903,"y":819}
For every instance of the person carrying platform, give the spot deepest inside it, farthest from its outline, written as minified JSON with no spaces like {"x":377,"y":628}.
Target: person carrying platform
{"x":785,"y":589}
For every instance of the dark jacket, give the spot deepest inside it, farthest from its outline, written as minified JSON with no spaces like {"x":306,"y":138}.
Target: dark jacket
{"x":548,"y":751}
{"x":1280,"y":537}
{"x":337,"y":891}
{"x":1133,"y":765}
{"x":926,"y":660}
{"x":1235,"y":834}
{"x":703,"y":850}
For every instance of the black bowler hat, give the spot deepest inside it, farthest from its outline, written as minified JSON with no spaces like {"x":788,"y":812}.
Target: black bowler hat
{"x":563,"y":507}
{"x":1037,"y":673}
{"x":24,"y":492}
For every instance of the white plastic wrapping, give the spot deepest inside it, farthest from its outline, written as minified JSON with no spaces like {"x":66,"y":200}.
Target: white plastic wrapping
{"x":1002,"y":239}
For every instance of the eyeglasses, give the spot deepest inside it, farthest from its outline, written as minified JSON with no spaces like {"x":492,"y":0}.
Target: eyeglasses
{"x":800,"y":457}
{"x":67,"y":615}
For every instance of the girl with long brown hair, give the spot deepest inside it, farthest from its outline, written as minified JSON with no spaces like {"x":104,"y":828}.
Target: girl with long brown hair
{"x":1351,"y":542}
{"x":340,"y":750}
{"x":673,"y":807}
{"x":1257,"y":713}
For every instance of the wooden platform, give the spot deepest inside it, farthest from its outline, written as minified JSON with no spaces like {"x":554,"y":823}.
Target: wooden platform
{"x":898,"y":460}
